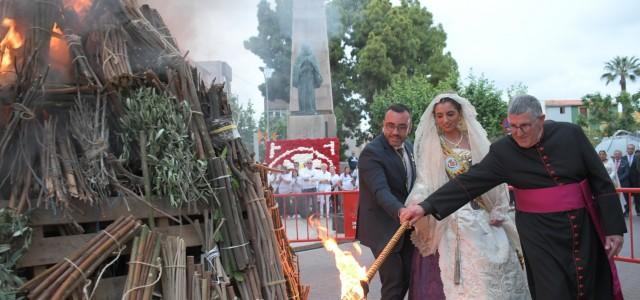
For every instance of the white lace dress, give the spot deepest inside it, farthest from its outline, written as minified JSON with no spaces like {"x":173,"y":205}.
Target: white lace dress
{"x":488,"y":265}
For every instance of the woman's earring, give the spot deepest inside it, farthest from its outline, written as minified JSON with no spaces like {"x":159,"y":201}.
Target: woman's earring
{"x":462,"y":126}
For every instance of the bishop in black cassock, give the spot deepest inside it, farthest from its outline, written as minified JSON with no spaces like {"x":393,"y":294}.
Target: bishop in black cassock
{"x":565,"y":257}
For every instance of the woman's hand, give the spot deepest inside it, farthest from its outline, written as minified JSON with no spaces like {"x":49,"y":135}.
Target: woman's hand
{"x":496,"y":222}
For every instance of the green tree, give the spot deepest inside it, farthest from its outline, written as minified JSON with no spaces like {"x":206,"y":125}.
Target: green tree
{"x":621,"y":68}
{"x":603,"y":118}
{"x":273,"y":46}
{"x":392,"y":40}
{"x":487,"y":99}
{"x":415,"y":92}
{"x":370,"y":43}
{"x":244,"y":118}
{"x":516,"y":89}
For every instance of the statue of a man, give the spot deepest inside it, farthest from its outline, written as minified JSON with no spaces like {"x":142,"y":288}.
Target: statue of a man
{"x":306,"y":77}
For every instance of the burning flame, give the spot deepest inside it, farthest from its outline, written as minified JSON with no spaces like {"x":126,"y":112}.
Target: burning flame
{"x":351,"y":272}
{"x":81,"y":7}
{"x":11,"y":41}
{"x":59,"y":55}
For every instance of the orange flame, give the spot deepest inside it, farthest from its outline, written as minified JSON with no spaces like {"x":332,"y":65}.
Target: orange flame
{"x":59,"y":55}
{"x":11,"y":41}
{"x":81,"y":7}
{"x":351,"y":272}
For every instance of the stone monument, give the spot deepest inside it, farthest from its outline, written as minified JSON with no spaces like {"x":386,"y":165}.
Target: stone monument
{"x":311,"y":103}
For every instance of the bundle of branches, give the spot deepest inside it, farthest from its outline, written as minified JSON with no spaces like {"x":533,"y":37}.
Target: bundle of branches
{"x":65,"y":277}
{"x":89,"y":129}
{"x":15,"y":237}
{"x":221,"y":284}
{"x":174,"y":280}
{"x":260,"y":226}
{"x":236,"y":256}
{"x":289,"y":260}
{"x":160,"y":123}
{"x":145,"y":269}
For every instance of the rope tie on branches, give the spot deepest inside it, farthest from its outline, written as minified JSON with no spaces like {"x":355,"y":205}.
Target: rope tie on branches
{"x":236,"y":246}
{"x":87,"y":282}
{"x":77,"y":268}
{"x":224,"y":128}
{"x":276,"y":282}
{"x":281,"y":228}
{"x":78,"y":57}
{"x":255,"y":200}
{"x":114,"y":239}
{"x":23,"y":112}
{"x":222,"y":177}
{"x":158,"y":266}
{"x":95,"y":287}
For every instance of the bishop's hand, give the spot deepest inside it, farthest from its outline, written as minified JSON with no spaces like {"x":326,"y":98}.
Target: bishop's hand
{"x":411,"y":213}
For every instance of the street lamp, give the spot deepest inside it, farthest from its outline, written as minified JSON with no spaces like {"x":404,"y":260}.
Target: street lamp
{"x":267,"y":72}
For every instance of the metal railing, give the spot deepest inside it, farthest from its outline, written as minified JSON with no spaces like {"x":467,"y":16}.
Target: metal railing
{"x":340,"y":217}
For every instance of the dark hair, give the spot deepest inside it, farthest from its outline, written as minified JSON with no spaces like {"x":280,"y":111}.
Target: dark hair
{"x":455,"y":104}
{"x":399,"y":108}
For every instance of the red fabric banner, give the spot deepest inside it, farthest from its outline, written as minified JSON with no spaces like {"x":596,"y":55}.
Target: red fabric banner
{"x":293,"y":153}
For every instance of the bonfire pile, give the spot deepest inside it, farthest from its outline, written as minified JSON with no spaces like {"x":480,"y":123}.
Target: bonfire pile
{"x":97,"y":101}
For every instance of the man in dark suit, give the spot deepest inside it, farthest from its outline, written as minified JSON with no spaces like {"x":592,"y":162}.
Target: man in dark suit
{"x":387,"y":173}
{"x":629,"y":164}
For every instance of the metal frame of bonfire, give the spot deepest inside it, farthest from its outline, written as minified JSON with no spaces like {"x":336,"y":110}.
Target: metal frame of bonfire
{"x":65,"y":79}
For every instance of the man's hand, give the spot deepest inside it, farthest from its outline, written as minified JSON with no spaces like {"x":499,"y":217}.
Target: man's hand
{"x":613,"y":245}
{"x":411,"y":213}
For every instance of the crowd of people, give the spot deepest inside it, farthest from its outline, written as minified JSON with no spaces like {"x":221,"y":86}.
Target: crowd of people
{"x":624,"y":171}
{"x":309,"y":179}
{"x":451,"y":186}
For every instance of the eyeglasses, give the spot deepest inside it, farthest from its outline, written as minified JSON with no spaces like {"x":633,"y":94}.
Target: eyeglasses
{"x":392,"y":127}
{"x":524,"y":128}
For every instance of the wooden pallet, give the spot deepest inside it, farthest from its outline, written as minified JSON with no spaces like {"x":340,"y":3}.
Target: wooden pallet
{"x":47,"y":249}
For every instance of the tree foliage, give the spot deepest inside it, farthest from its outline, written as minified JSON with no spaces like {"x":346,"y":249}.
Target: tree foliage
{"x":417,"y":93}
{"x":371,"y":42}
{"x":621,"y":68}
{"x":487,"y":99}
{"x":603,"y":118}
{"x":244,"y":118}
{"x":273,"y":46}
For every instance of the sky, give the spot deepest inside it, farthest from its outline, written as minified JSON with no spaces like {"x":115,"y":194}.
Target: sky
{"x":556,"y":48}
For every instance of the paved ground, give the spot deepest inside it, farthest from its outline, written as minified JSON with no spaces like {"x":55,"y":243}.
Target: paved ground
{"x":318,"y":270}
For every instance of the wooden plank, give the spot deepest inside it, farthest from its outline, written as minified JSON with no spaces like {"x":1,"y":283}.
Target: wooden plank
{"x":110,"y":288}
{"x":45,"y":251}
{"x":107,"y":211}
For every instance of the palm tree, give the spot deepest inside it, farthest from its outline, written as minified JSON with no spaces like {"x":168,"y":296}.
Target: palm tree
{"x":623,"y":67}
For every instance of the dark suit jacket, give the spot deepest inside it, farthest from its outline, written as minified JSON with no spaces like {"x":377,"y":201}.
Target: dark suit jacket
{"x":383,"y":192}
{"x":632,"y":178}
{"x":623,"y":171}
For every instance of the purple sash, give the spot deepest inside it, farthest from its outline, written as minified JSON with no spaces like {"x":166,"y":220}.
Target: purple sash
{"x":563,"y":198}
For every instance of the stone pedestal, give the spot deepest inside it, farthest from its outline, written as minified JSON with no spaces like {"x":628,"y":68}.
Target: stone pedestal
{"x":311,"y":126}
{"x":309,"y":29}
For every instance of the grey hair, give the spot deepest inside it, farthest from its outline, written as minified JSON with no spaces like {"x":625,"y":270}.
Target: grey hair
{"x":525,"y":103}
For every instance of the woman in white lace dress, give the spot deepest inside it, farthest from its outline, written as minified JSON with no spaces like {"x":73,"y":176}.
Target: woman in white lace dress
{"x":472,"y":254}
{"x":611,"y":169}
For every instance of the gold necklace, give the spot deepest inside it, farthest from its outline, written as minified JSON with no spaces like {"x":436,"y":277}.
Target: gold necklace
{"x":456,"y":144}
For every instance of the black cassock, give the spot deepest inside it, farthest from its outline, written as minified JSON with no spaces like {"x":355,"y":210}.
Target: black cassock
{"x":564,"y":256}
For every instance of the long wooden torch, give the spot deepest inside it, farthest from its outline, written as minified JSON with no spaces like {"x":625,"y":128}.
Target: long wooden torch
{"x":379,"y":261}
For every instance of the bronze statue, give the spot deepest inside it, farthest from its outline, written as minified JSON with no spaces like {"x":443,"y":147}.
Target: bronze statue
{"x":306,"y":77}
